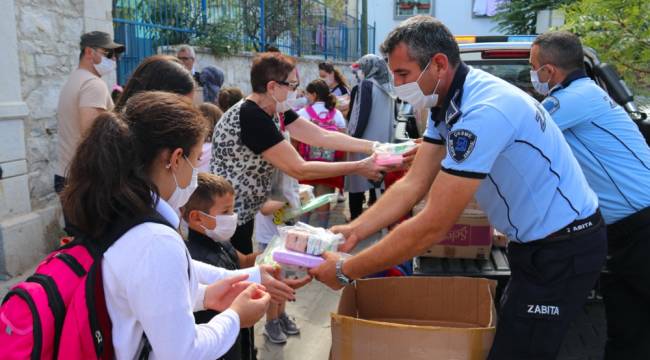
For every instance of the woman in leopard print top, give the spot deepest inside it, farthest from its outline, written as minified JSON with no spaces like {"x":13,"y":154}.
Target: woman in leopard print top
{"x":248,"y":144}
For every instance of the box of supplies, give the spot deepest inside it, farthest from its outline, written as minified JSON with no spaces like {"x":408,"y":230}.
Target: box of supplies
{"x":470,"y":238}
{"x":415,"y":318}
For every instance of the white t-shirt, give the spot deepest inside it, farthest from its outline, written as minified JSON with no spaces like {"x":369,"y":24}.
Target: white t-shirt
{"x":321,"y":110}
{"x":147,"y":288}
{"x":265,"y":228}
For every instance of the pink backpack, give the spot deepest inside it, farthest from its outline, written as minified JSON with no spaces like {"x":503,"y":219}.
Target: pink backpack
{"x":315,"y":153}
{"x":60,"y":311}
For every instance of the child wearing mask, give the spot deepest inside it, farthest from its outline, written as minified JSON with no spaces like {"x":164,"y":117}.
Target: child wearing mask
{"x":211,"y":221}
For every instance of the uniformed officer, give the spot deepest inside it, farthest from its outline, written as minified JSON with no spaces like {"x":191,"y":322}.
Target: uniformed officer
{"x":616,"y":161}
{"x":488,"y":139}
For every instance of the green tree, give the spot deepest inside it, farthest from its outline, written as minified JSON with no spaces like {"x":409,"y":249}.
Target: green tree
{"x":519,"y":17}
{"x":619,"y":31}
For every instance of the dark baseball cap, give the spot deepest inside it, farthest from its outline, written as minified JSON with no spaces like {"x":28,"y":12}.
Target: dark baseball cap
{"x":100,"y":39}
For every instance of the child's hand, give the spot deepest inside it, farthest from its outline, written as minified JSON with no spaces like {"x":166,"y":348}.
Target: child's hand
{"x":251,"y":305}
{"x":220,"y":294}
{"x":298,"y":283}
{"x":279,"y":291}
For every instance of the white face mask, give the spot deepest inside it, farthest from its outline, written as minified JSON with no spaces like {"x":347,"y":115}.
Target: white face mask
{"x":224,"y":228}
{"x":283,"y":106}
{"x":180,"y":196}
{"x":540,"y":87}
{"x":297,"y":103}
{"x":105,"y":66}
{"x":412,"y":93}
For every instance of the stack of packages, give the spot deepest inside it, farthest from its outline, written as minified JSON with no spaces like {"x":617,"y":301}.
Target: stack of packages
{"x":391,"y":154}
{"x":470,"y":238}
{"x":299,"y":248}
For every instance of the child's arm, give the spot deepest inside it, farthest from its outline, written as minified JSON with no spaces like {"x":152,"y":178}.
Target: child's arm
{"x":271,"y":206}
{"x":246,"y":261}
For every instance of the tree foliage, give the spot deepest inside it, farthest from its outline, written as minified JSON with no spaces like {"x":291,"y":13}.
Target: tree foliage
{"x":519,"y":17}
{"x":619,"y":31}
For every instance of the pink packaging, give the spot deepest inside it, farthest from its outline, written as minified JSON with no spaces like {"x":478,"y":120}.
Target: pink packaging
{"x":296,"y":240}
{"x":389,"y":159}
{"x":288,"y":257}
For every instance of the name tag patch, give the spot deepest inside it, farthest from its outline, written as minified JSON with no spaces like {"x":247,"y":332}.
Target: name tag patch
{"x":541,"y":311}
{"x":460,"y":144}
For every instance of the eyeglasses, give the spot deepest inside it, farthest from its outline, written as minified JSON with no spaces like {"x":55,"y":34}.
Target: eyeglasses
{"x":106,"y":52}
{"x":292,"y":85}
{"x":185,"y":58}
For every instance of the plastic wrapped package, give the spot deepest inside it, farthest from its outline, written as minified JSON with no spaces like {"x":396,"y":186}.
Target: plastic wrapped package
{"x":287,"y":213}
{"x":306,"y":194}
{"x":314,"y":241}
{"x":395,"y":149}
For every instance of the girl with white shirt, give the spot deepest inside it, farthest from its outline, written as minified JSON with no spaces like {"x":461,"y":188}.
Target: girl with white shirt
{"x":143,"y":161}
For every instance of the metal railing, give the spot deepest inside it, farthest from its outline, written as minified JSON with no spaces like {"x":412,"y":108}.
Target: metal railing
{"x":296,"y":27}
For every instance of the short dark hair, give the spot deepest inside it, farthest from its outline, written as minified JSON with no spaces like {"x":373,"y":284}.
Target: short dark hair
{"x":157,"y":73}
{"x":228,"y":96}
{"x":202,"y":199}
{"x":562,"y":49}
{"x":270,"y":66}
{"x":424,"y":36}
{"x":322,"y":91}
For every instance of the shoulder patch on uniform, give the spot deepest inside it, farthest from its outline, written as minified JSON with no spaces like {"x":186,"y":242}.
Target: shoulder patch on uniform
{"x":551,"y":104}
{"x":460,"y":144}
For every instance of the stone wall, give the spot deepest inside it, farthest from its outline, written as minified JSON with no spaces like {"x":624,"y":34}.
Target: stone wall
{"x":48,"y":41}
{"x":237,"y":67}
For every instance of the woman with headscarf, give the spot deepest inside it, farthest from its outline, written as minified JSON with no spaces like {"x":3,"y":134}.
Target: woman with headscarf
{"x":371,"y":117}
{"x":211,"y":79}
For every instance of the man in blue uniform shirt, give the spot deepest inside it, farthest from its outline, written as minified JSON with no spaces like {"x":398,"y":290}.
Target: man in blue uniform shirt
{"x":488,"y":139}
{"x":616,"y":161}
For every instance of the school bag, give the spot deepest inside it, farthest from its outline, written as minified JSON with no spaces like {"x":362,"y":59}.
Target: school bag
{"x":316,"y":153}
{"x":60,"y":311}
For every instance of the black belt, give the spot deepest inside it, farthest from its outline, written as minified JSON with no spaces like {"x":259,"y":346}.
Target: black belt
{"x":578,"y":227}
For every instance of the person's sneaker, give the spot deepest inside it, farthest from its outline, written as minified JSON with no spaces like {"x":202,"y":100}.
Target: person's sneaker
{"x":289,"y":327}
{"x":273,"y":332}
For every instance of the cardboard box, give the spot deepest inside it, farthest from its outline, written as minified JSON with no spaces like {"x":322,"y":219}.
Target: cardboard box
{"x":469,"y":238}
{"x":415,"y":318}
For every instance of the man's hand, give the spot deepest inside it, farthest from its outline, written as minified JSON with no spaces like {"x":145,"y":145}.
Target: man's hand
{"x":326,"y":272}
{"x":278,"y":290}
{"x":251,"y":305}
{"x":348,"y":232}
{"x":220,"y":294}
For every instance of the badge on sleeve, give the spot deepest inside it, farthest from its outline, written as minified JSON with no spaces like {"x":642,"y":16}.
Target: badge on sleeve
{"x":551,"y":104}
{"x":460,"y":144}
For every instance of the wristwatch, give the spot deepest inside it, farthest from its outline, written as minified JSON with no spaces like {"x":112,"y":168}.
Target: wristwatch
{"x":340,"y":276}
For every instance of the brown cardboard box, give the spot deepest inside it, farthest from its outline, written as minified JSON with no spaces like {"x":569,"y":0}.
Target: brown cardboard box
{"x":470,"y":238}
{"x":415,"y":318}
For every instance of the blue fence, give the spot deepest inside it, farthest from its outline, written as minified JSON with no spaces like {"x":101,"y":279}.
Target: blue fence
{"x":296,"y":27}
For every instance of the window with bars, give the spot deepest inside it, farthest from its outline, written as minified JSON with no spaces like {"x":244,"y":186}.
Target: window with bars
{"x":406,"y":8}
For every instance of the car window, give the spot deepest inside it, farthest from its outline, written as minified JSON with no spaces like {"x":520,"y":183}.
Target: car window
{"x":516,"y":72}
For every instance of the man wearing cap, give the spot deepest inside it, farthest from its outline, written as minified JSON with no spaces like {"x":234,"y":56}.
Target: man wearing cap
{"x":84,"y":96}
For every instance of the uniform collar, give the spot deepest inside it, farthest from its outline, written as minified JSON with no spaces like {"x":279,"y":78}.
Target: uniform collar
{"x":164,"y":209}
{"x":449,"y":111}
{"x":573,"y":76}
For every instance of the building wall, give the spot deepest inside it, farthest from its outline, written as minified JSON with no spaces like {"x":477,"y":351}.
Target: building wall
{"x":40,"y":42}
{"x":237,"y":68}
{"x":457,"y":15}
